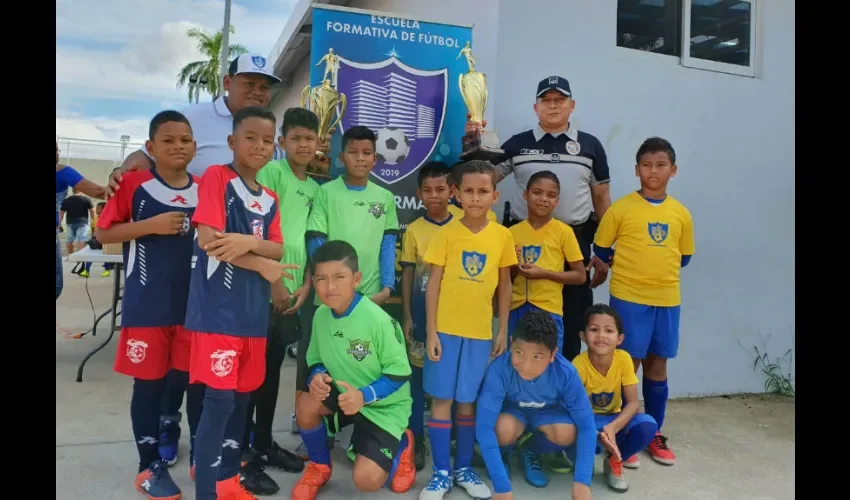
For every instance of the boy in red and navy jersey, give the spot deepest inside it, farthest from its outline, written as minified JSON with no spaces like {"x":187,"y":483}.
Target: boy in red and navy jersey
{"x":150,"y":215}
{"x":237,"y":257}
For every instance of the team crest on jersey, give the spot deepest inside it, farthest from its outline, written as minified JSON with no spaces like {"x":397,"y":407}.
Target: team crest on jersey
{"x":530,"y":254}
{"x":359,"y":349}
{"x":601,"y":399}
{"x":573,"y":148}
{"x":187,"y":225}
{"x":257,"y":228}
{"x":222,"y":362}
{"x":377,"y":209}
{"x":658,"y":232}
{"x":136,"y":350}
{"x":473,"y":263}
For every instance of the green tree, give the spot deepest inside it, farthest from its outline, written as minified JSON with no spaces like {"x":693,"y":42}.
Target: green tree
{"x":202,"y":75}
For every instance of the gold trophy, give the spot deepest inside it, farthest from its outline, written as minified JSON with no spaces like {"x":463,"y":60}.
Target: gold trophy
{"x":483,"y":144}
{"x":325,"y":100}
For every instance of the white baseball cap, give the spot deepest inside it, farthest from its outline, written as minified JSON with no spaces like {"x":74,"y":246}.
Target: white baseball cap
{"x":251,"y":64}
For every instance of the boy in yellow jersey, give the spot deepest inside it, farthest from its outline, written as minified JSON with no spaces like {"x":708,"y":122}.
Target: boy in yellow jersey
{"x":455,"y":207}
{"x":470,"y":258}
{"x":543,"y":244}
{"x":654,"y":234}
{"x":609,"y":379}
{"x":435,"y":189}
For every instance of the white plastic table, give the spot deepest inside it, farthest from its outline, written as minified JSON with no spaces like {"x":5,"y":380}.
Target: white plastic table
{"x":88,"y":254}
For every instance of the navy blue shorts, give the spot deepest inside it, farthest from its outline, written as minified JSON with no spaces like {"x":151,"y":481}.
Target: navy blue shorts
{"x":648,"y":329}
{"x":460,"y":371}
{"x":519,"y":312}
{"x":534,"y":419}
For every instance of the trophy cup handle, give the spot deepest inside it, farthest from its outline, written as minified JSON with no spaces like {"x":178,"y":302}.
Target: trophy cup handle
{"x":305,"y":97}
{"x":339,"y":112}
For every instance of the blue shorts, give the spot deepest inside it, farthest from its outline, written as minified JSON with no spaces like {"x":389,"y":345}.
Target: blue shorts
{"x":78,"y":233}
{"x":538,"y":418}
{"x":519,"y":312}
{"x":460,"y":371}
{"x":648,"y":329}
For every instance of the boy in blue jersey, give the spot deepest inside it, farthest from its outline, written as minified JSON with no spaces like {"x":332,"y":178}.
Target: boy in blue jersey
{"x":609,"y":380}
{"x":533,"y":387}
{"x":150,"y":215}
{"x":239,"y":246}
{"x":654,"y":237}
{"x":435,"y":189}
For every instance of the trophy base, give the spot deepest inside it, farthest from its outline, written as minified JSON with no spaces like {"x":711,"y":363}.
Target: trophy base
{"x":483,"y":145}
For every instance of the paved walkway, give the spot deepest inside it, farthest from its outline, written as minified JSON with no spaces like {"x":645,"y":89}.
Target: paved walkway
{"x":727,"y":447}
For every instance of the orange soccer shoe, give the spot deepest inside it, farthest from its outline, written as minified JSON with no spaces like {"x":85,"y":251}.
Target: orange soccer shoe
{"x":314,"y":477}
{"x":232,"y":489}
{"x":405,"y":473}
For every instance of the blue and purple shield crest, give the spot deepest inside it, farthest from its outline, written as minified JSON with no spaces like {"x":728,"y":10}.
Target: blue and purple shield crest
{"x":405,"y":106}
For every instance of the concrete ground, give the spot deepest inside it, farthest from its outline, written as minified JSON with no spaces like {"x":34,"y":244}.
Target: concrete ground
{"x":739,"y":447}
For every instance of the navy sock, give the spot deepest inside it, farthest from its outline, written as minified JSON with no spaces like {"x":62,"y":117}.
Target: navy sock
{"x":417,"y":414}
{"x":507,"y":450}
{"x":316,"y":441}
{"x":194,"y":406}
{"x":218,"y":407}
{"x":440,"y":434}
{"x":144,"y":415}
{"x":655,"y":394}
{"x":402,"y":445}
{"x":176,"y":382}
{"x":88,"y":266}
{"x":637,"y":437}
{"x":231,"y":447}
{"x":539,"y":443}
{"x":465,"y":430}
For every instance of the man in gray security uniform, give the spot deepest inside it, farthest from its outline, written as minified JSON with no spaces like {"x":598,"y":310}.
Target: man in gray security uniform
{"x":579,"y":161}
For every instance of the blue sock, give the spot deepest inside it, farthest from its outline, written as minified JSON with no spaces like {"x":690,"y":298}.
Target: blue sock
{"x":231,"y":447}
{"x":218,"y":407}
{"x":655,"y":399}
{"x":637,"y":437}
{"x":402,"y":445}
{"x":194,"y":406}
{"x":417,"y":414}
{"x":316,"y":441}
{"x":88,"y":266}
{"x":144,"y":415}
{"x":176,"y":382}
{"x":507,"y":450}
{"x":465,"y":429}
{"x":440,"y":435}
{"x":540,"y":444}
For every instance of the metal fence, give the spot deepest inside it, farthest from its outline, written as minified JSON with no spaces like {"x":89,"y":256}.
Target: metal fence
{"x":94,"y":159}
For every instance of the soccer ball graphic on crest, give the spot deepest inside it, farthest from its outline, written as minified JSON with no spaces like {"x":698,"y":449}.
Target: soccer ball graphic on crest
{"x":393,"y":146}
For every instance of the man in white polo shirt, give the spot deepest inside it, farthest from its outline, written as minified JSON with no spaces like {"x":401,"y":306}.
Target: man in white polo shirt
{"x":248,"y":82}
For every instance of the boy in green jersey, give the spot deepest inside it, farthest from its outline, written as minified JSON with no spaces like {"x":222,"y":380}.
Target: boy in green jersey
{"x":358,"y":371}
{"x":295,"y":191}
{"x":353,"y":209}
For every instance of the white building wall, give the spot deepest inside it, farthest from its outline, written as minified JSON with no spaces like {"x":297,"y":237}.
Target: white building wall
{"x":734,"y":138}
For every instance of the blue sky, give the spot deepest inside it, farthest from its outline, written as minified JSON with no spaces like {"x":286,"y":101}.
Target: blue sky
{"x":117,"y":60}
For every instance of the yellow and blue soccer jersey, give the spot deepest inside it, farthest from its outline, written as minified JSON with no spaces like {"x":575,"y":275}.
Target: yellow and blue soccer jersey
{"x":606,"y":391}
{"x":651,"y":239}
{"x":415,"y":241}
{"x":548,"y":248}
{"x":471,"y":265}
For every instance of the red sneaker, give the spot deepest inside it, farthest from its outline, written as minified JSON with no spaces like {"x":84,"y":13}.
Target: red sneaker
{"x":405,"y":473}
{"x":633,"y":462}
{"x":232,"y":489}
{"x":659,"y":450}
{"x":314,"y":477}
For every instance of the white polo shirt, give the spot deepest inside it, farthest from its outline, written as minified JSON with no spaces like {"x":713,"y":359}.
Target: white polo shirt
{"x":211,"y":123}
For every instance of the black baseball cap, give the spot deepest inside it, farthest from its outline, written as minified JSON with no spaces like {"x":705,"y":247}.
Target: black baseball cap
{"x":554,"y":83}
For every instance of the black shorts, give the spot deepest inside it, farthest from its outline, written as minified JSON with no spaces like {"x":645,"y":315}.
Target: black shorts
{"x":368,"y":439}
{"x":284,"y":329}
{"x":308,"y":310}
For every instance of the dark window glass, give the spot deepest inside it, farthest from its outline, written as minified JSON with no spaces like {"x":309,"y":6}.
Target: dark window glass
{"x":650,"y":25}
{"x":720,"y":31}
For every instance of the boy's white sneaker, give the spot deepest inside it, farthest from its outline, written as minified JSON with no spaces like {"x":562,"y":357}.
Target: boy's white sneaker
{"x":467,"y":479}
{"x":439,"y":485}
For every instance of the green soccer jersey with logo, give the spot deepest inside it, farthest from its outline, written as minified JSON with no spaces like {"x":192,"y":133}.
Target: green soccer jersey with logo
{"x":359,"y":216}
{"x":359,"y":348}
{"x":295,"y":198}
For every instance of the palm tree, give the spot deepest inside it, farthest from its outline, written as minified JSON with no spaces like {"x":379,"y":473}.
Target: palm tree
{"x":203,"y":75}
